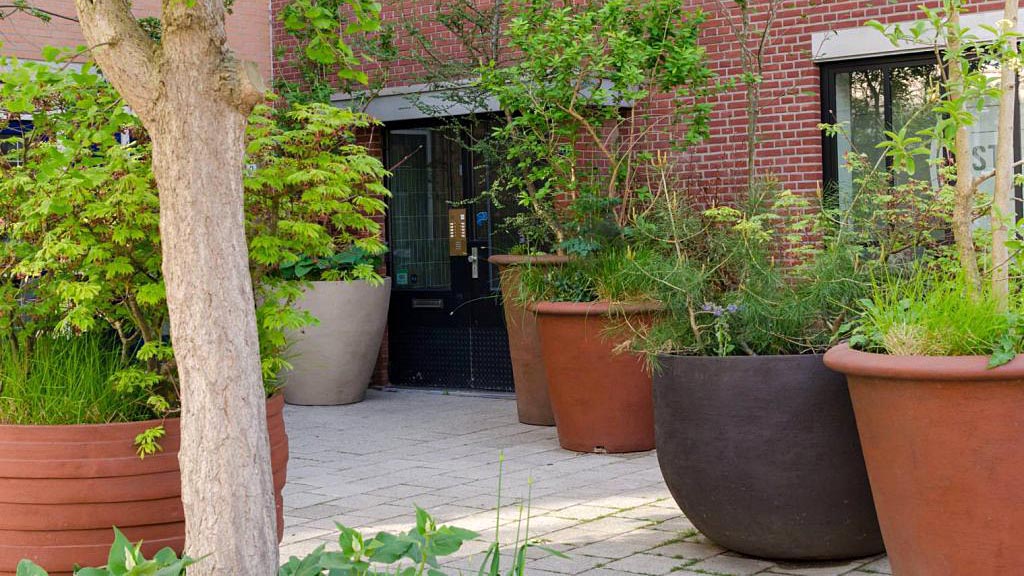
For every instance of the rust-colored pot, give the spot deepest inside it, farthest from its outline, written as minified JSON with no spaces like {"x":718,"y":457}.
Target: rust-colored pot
{"x":943,"y":439}
{"x":601,"y":397}
{"x":531,"y":383}
{"x":63,"y":488}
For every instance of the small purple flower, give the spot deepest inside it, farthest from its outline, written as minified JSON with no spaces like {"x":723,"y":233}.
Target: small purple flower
{"x":732,"y":308}
{"x":715,"y":309}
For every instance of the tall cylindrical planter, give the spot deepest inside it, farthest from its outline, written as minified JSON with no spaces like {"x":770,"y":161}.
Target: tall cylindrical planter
{"x":63,"y":488}
{"x":600,"y":395}
{"x":333,"y":361}
{"x":761,"y":454}
{"x":531,"y":383}
{"x":943,"y":440}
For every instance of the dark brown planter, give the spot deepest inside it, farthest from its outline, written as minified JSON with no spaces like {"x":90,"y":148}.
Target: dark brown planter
{"x":524,"y":342}
{"x":761,"y":454}
{"x":63,"y":488}
{"x":943,"y":439}
{"x":601,"y":398}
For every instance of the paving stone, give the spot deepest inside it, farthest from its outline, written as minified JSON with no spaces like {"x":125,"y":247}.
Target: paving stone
{"x":584,"y":512}
{"x":645,"y":564}
{"x":623,"y":545}
{"x":726,"y":565}
{"x":815,"y":568}
{"x":880,"y":566}
{"x":689,"y":550}
{"x":366,"y":464}
{"x":574,"y":564}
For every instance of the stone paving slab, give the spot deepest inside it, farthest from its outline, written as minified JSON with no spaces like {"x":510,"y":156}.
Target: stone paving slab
{"x":367,"y":465}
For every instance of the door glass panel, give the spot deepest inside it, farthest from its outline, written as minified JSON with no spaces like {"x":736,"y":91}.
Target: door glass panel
{"x":860,"y":106}
{"x":419,"y":213}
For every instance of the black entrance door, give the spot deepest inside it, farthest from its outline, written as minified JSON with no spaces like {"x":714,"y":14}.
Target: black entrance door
{"x":446,"y":327}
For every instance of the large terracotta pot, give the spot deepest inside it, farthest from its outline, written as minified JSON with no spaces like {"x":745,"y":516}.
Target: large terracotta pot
{"x":943,"y":439}
{"x":333,"y":361}
{"x":531,"y":382}
{"x":63,"y":488}
{"x":761,"y":454}
{"x":601,"y":397}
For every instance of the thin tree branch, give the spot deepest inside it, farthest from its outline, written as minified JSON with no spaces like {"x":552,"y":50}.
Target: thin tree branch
{"x":32,"y":11}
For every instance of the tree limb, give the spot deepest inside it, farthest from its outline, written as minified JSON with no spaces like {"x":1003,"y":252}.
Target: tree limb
{"x":33,"y":11}
{"x":194,"y":36}
{"x":124,"y":52}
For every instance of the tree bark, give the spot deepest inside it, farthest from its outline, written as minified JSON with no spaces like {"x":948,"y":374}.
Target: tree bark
{"x":963,"y":198}
{"x":1002,"y":196}
{"x":194,"y":98}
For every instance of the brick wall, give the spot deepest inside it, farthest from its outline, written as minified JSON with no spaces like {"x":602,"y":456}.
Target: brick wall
{"x":24,"y":36}
{"x":790,"y":147}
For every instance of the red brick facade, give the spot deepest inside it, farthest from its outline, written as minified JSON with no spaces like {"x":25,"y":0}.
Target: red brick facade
{"x":790,"y":143}
{"x":24,"y":36}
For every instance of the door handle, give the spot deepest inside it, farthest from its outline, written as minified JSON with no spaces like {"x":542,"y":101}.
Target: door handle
{"x":474,"y":259}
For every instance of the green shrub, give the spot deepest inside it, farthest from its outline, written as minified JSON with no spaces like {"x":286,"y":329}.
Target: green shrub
{"x":578,"y":97}
{"x":79,"y":215}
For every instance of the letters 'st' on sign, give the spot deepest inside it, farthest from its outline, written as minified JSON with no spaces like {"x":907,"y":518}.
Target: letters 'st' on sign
{"x":457,"y":232}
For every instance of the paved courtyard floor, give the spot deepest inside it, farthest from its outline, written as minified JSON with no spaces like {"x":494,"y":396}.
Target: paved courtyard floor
{"x":368,"y":465}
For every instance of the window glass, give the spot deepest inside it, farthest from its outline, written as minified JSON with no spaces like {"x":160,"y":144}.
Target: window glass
{"x":870,"y":100}
{"x":915,"y":91}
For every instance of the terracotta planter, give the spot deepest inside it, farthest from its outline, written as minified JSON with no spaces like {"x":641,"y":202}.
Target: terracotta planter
{"x":601,"y":399}
{"x":943,"y":439}
{"x":761,"y":454}
{"x":62,"y":489}
{"x":531,"y":382}
{"x":333,"y":361}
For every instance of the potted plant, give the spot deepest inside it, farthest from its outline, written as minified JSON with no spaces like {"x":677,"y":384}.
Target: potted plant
{"x":79,"y":455}
{"x":935,"y":375}
{"x":80,"y":261}
{"x":756,"y":437}
{"x":334,"y":359}
{"x":600,"y":392}
{"x":316,"y":199}
{"x":575,"y":102}
{"x":533,"y":403}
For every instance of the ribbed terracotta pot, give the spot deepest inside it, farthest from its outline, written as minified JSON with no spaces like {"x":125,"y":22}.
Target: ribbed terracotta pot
{"x":761,"y":454}
{"x":531,"y":382}
{"x":63,"y":488}
{"x":943,"y":439}
{"x":601,"y":398}
{"x":333,"y":361}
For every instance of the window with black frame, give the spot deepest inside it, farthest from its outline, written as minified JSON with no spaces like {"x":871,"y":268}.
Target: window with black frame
{"x":870,"y":97}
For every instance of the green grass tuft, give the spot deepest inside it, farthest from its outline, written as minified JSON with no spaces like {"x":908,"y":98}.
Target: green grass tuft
{"x":64,"y":381}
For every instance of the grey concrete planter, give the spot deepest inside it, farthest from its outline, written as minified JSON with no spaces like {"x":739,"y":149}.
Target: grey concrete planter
{"x":333,"y":362}
{"x":762,"y":455}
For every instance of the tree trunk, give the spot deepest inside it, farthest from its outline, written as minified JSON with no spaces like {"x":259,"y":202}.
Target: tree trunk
{"x":963,"y":198}
{"x":194,"y":98}
{"x":225,"y":453}
{"x":1002,"y":196}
